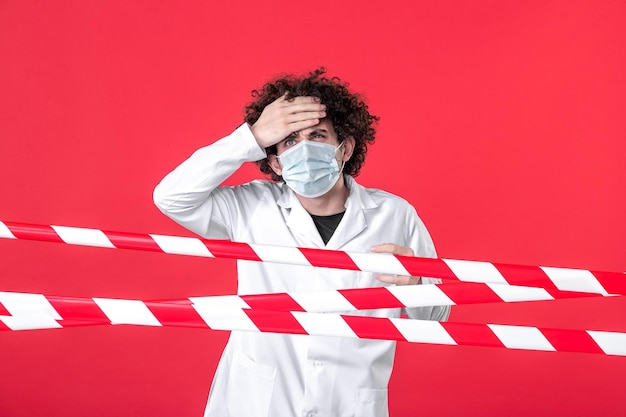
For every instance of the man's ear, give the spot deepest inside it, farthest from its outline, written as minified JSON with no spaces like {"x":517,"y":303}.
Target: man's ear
{"x":348,"y":148}
{"x":275,"y":164}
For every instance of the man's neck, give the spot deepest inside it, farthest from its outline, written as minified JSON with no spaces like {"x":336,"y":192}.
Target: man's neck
{"x":332,"y":202}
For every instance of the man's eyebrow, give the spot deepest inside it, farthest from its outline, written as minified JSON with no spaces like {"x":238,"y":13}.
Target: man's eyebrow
{"x":311,"y":133}
{"x":290,"y":136}
{"x":317,"y":130}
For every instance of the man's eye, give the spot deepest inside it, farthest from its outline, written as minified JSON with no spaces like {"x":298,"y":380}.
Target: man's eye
{"x":318,"y":136}
{"x":290,"y":142}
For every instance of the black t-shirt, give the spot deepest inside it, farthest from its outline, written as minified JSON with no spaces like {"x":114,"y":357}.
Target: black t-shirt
{"x":326,"y":225}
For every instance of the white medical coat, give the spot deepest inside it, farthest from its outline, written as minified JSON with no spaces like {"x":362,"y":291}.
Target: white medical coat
{"x":277,"y":375}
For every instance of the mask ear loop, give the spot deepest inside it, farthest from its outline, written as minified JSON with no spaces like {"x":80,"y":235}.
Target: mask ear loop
{"x":343,"y":163}
{"x":275,"y":158}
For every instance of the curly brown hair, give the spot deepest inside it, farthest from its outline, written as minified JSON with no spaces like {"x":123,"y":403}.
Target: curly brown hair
{"x":346,"y":111}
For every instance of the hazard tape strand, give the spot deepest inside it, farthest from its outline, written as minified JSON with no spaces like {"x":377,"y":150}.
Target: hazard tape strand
{"x":59,"y":312}
{"x":342,"y":300}
{"x":565,"y":279}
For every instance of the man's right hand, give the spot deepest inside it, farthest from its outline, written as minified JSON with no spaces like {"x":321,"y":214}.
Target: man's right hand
{"x":282,"y":117}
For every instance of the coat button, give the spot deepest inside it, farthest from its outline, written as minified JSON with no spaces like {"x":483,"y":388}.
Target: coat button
{"x":318,"y":364}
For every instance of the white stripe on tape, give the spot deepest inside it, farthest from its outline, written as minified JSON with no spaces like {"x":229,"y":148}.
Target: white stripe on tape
{"x":24,"y":304}
{"x":513,"y":293}
{"x":574,"y":280}
{"x":324,"y":324}
{"x":475,"y":271}
{"x":227,"y":318}
{"x":83,"y":236}
{"x":322,"y":301}
{"x":30,"y":322}
{"x":127,"y":312}
{"x":5,"y":232}
{"x":378,"y":262}
{"x":611,"y":343}
{"x":423,"y":331}
{"x":179,"y":245}
{"x":420,"y":295}
{"x":280,"y":254}
{"x":219,"y":302}
{"x":521,"y":337}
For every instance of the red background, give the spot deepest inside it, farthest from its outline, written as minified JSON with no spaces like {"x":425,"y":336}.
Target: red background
{"x":502,"y":122}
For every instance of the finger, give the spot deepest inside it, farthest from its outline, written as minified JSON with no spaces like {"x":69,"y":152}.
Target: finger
{"x":279,"y":100}
{"x":307,"y":115}
{"x":393,"y":248}
{"x":302,"y":108}
{"x":300,"y":99}
{"x":302,"y":124}
{"x":388,"y":279}
{"x":399,"y":279}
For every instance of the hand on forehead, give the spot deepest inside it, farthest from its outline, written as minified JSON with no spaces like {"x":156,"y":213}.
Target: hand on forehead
{"x":284,"y":116}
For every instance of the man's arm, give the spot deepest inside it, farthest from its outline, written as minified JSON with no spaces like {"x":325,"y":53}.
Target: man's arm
{"x":188,"y":194}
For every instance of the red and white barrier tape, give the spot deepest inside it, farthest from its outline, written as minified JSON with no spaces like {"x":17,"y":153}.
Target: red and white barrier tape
{"x":342,"y":300}
{"x":566,"y":279}
{"x":406,"y":296}
{"x":56,"y":312}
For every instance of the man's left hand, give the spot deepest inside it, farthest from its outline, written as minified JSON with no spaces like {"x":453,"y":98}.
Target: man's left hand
{"x":396,"y":250}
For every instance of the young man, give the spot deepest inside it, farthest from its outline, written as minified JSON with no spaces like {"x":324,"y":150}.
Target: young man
{"x":310,"y":133}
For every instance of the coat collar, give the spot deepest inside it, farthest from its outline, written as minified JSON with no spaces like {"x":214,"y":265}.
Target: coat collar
{"x":353,"y":222}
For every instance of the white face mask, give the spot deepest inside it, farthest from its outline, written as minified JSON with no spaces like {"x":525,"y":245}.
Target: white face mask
{"x":310,"y":168}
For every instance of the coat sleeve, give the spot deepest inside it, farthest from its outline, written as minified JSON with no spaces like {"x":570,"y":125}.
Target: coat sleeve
{"x":424,"y":247}
{"x":190,"y":194}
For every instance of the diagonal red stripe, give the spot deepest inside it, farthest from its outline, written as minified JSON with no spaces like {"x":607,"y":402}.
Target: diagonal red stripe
{"x":571,"y":340}
{"x":530,"y":276}
{"x":4,"y":311}
{"x":78,"y":309}
{"x":275,"y":321}
{"x":472,"y":334}
{"x":124,"y":240}
{"x":3,"y":326}
{"x":231,"y":250}
{"x":570,"y":294}
{"x":33,"y":232}
{"x":613,"y":282}
{"x":373,"y":327}
{"x":468,"y":293}
{"x":80,"y":323}
{"x":179,"y":314}
{"x":372,"y":298}
{"x":276,"y":302}
{"x":329,"y":259}
{"x":427,"y":267}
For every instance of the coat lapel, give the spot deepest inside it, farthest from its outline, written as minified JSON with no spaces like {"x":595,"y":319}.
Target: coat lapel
{"x":353,"y":223}
{"x":299,"y":220}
